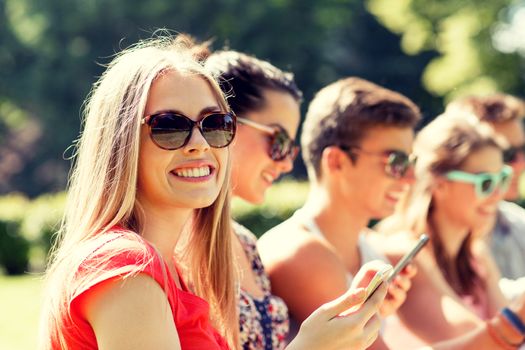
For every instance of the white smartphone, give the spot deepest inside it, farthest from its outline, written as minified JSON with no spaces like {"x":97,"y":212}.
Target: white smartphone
{"x":380,"y":277}
{"x":405,"y":260}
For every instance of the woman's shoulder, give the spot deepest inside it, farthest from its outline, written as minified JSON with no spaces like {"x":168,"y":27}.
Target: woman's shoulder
{"x":244,"y":234}
{"x":118,"y":245}
{"x":116,"y":253}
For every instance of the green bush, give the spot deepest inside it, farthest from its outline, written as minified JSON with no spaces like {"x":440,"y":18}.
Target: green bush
{"x":26,"y":230}
{"x":14,"y":248}
{"x":281,"y":201}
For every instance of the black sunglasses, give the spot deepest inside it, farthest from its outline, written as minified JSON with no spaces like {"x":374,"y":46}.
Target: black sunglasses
{"x":396,"y":162}
{"x":510,"y":155}
{"x":171,"y":130}
{"x":281,"y":144}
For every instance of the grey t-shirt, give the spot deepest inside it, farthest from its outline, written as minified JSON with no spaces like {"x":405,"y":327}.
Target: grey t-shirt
{"x":508,"y":240}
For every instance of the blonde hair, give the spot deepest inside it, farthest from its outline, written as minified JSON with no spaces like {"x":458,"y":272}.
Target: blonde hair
{"x":102,"y":191}
{"x":443,"y":145}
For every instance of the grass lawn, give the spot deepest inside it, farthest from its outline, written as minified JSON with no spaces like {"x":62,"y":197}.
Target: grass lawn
{"x":20,"y":301}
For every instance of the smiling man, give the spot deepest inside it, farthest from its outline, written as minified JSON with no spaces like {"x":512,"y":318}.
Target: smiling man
{"x":506,"y":233}
{"x":356,"y":142}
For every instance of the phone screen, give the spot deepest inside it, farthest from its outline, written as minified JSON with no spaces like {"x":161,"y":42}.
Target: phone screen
{"x":405,"y":260}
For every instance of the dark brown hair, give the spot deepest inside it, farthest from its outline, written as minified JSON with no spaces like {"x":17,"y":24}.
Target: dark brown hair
{"x":244,"y":78}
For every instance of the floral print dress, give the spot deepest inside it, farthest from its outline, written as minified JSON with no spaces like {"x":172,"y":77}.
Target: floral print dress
{"x":264,"y":322}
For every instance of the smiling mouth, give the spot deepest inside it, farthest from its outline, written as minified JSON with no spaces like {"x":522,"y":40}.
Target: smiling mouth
{"x":193,"y":172}
{"x":394,"y":196}
{"x":267,"y":177}
{"x":487,"y":211}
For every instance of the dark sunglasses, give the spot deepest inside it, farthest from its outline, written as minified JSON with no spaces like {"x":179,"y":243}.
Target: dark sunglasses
{"x":281,"y":144}
{"x":171,"y":130}
{"x":510,"y":155}
{"x":396,"y":162}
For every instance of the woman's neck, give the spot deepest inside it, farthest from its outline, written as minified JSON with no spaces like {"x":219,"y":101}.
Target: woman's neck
{"x":163,"y":227}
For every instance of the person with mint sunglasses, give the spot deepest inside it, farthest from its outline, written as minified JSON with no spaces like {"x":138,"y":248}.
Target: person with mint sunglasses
{"x":461,"y":177}
{"x":504,"y":113}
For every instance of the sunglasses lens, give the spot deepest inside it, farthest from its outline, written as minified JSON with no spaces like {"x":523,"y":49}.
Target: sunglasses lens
{"x":219,"y":129}
{"x":398,"y":164}
{"x":509,"y":155}
{"x":282,"y":146}
{"x":487,"y":186}
{"x":170,"y":131}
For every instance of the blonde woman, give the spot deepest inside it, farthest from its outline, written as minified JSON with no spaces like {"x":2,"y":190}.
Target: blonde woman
{"x":142,"y":171}
{"x":152,"y":164}
{"x":460,"y":178}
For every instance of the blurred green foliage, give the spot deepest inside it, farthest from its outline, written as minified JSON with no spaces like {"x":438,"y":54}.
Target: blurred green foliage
{"x":280,"y":203}
{"x":26,"y":230}
{"x":465,"y":34}
{"x":52,"y":51}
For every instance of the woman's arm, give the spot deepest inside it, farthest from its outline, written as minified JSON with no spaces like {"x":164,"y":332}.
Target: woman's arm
{"x":432,"y":310}
{"x":483,"y":255}
{"x":496,"y":333}
{"x":130,"y":314}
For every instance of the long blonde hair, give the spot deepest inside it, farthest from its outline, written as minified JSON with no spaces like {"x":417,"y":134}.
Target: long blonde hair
{"x":441,"y":146}
{"x":102,"y":191}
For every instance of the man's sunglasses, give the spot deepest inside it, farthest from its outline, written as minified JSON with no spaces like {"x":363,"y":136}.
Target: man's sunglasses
{"x":484,"y":183}
{"x":396,"y":162}
{"x":510,"y":155}
{"x":171,"y":130}
{"x":281,"y":145}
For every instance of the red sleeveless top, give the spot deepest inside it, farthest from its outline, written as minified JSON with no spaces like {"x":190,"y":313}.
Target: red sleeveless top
{"x":190,"y":312}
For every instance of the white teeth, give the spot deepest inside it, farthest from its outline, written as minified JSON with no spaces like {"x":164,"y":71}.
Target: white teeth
{"x":193,"y":172}
{"x":267,"y":177}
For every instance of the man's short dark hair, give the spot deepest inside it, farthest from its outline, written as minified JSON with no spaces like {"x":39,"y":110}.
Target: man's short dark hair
{"x":342,"y":113}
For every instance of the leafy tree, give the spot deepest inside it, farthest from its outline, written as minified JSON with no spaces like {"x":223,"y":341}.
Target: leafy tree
{"x":52,"y":51}
{"x":463,"y":33}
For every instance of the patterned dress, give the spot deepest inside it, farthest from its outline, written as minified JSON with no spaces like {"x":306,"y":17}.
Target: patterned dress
{"x":264,"y":322}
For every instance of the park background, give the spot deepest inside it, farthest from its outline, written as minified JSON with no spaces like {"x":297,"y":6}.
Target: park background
{"x":52,"y":51}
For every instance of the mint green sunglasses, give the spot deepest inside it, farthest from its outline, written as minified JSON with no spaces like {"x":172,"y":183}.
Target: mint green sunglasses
{"x":485,"y":183}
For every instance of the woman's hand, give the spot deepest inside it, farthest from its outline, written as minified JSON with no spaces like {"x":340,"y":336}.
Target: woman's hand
{"x":518,"y":307}
{"x":326,"y":328}
{"x":397,"y":291}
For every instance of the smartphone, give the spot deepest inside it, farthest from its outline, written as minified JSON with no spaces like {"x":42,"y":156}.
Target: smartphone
{"x":405,"y":260}
{"x":380,"y":277}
